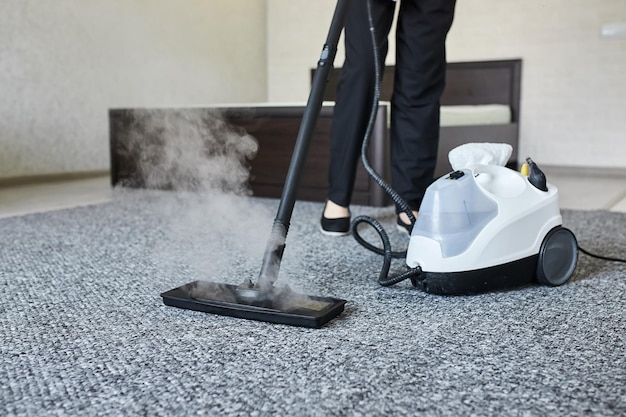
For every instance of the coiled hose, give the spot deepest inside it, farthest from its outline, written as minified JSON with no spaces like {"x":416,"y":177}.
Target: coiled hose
{"x":386,"y":252}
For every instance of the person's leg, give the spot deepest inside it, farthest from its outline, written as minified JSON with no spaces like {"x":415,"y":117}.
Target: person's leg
{"x":355,"y":93}
{"x":419,"y":82}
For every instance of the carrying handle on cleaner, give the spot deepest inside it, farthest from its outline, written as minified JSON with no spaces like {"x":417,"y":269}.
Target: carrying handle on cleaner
{"x":276,"y":242}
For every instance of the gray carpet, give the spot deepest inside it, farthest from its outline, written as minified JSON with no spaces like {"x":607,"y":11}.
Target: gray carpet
{"x":84,"y":330}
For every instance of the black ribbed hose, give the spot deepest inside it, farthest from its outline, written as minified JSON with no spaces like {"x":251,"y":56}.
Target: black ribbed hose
{"x":386,"y":252}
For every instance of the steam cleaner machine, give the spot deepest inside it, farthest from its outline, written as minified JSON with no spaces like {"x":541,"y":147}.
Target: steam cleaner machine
{"x":488,"y":227}
{"x":481,"y":227}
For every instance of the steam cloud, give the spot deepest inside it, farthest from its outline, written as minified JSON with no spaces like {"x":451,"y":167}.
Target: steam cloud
{"x":215,"y":231}
{"x":189,"y":150}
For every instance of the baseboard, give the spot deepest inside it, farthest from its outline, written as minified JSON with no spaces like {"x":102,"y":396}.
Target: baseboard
{"x":575,"y":171}
{"x":52,"y":178}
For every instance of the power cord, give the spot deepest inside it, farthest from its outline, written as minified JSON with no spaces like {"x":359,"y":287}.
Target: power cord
{"x":538,"y":179}
{"x":604,"y":258}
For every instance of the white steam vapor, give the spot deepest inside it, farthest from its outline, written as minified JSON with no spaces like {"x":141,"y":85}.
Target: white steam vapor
{"x":190,"y":150}
{"x":215,"y":231}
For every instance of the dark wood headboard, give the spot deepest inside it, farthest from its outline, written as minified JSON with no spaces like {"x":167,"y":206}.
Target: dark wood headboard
{"x":477,"y":82}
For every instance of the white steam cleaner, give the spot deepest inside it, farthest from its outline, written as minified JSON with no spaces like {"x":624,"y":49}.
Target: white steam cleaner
{"x":488,"y":227}
{"x":481,"y":228}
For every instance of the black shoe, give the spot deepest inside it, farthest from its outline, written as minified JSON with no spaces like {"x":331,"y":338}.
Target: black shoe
{"x":404,"y":227}
{"x":335,"y":227}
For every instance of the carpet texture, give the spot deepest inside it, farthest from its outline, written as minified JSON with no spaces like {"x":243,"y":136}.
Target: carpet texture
{"x":84,"y":330}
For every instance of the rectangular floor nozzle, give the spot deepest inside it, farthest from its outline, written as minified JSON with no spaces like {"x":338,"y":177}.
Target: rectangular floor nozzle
{"x":275,"y":305}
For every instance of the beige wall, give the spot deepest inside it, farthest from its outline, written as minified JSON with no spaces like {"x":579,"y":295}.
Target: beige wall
{"x":574,"y":82}
{"x":64,"y":63}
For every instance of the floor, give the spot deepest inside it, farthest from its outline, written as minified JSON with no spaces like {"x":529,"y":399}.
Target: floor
{"x":585,"y":191}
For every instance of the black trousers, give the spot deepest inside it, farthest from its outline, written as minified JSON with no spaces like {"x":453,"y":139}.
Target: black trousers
{"x":419,"y":81}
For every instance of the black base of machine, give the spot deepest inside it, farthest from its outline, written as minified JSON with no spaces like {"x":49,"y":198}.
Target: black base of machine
{"x":276,"y":305}
{"x":496,"y":278}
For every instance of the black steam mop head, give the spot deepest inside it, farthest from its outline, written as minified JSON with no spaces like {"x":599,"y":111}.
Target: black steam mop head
{"x":264,"y":301}
{"x":276,"y":305}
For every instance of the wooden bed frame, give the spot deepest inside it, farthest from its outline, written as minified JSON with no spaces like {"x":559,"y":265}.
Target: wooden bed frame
{"x":276,"y":128}
{"x":467,"y":83}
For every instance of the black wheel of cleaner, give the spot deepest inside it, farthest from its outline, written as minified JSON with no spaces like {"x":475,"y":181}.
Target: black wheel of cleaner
{"x":557,"y":257}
